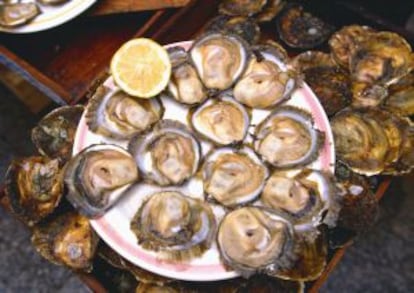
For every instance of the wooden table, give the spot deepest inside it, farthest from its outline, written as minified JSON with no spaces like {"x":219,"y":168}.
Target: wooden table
{"x":65,"y":64}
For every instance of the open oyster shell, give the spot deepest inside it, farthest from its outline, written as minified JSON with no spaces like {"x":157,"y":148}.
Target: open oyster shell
{"x":53,"y":136}
{"x":15,"y":14}
{"x":177,"y":226}
{"x":220,"y":59}
{"x":266,"y":81}
{"x":34,"y":187}
{"x":98,"y":176}
{"x":185,"y":86}
{"x":222,"y":120}
{"x":115,"y":114}
{"x":233,"y":176}
{"x":253,"y":240}
{"x":287,"y":138}
{"x":67,"y":240}
{"x":307,"y":197}
{"x":168,"y":155}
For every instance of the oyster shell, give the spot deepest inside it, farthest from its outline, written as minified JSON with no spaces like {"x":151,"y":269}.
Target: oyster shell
{"x":270,"y":10}
{"x":287,"y":138}
{"x":401,"y":98}
{"x":360,"y":142}
{"x":34,"y":187}
{"x":344,"y":42}
{"x":381,"y":57}
{"x":366,"y":95}
{"x":253,"y":240}
{"x":241,"y":7}
{"x":52,"y":2}
{"x":117,"y":115}
{"x":306,"y":197}
{"x":244,"y":27}
{"x":15,"y":14}
{"x":67,"y":240}
{"x":53,"y":136}
{"x":220,"y":59}
{"x":222,"y":120}
{"x":311,"y":248}
{"x":168,"y":155}
{"x":266,"y":81}
{"x":330,"y":84}
{"x":233,"y":176}
{"x":300,"y":29}
{"x":185,"y":86}
{"x":98,"y":176}
{"x":177,"y":226}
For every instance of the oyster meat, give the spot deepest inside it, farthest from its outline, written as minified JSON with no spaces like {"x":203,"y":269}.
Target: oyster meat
{"x":287,"y":138}
{"x":117,"y":115}
{"x":306,"y":197}
{"x":177,"y":226}
{"x":67,"y":240}
{"x":266,"y":82}
{"x":34,"y":187}
{"x":168,"y":155}
{"x":300,"y":29}
{"x":222,"y":120}
{"x":98,"y":176}
{"x":54,"y":134}
{"x":233,"y":176}
{"x":15,"y":14}
{"x":185,"y":86}
{"x":252,"y":240}
{"x":220,"y":59}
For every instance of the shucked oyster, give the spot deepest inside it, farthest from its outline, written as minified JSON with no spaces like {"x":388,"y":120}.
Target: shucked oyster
{"x":221,"y":120}
{"x":116,"y":114}
{"x":307,"y":197}
{"x":55,"y":133}
{"x":168,"y":155}
{"x":15,"y":14}
{"x":265,"y":82}
{"x":185,"y":86}
{"x":233,"y":176}
{"x":98,"y":176}
{"x":220,"y":59}
{"x":252,"y":240}
{"x":178,"y":226}
{"x":300,"y":29}
{"x":34,"y":187}
{"x":67,"y":240}
{"x":287,"y":138}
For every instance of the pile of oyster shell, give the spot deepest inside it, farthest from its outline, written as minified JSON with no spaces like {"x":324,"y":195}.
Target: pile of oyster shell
{"x":17,"y":12}
{"x":210,"y":174}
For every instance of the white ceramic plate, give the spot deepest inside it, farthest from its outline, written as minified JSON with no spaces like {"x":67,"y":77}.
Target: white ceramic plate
{"x":114,"y":226}
{"x":52,"y":16}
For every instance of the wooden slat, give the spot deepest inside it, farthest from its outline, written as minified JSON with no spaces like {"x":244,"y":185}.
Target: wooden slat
{"x":119,"y":6}
{"x":33,"y":76}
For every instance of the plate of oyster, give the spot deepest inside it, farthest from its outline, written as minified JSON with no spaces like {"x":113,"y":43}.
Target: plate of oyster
{"x":27,"y":16}
{"x":227,"y":172}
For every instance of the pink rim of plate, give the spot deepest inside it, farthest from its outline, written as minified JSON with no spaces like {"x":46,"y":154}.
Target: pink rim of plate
{"x":189,"y":271}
